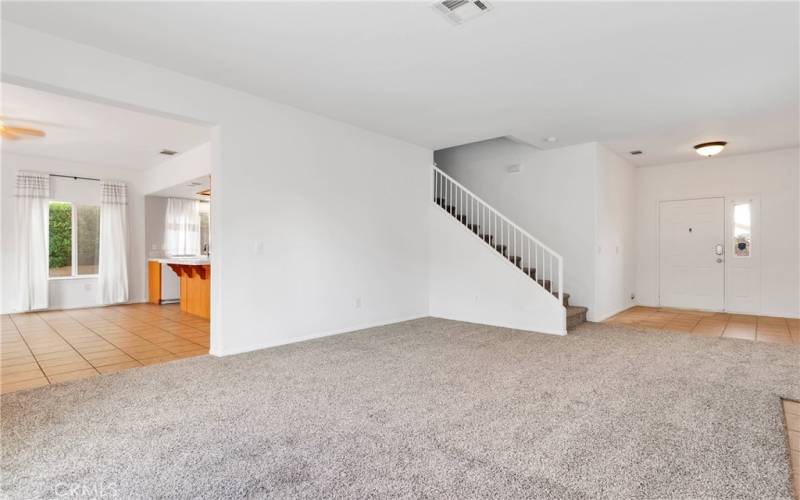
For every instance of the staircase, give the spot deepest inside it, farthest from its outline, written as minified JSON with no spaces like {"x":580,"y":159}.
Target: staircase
{"x":531,"y":257}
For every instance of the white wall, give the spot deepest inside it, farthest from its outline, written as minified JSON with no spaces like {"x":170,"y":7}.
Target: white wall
{"x":309,"y":214}
{"x":155,"y":212}
{"x":186,"y":166}
{"x":553,"y":198}
{"x":468,"y":282}
{"x":70,"y":292}
{"x":615,"y":259}
{"x":773,"y":177}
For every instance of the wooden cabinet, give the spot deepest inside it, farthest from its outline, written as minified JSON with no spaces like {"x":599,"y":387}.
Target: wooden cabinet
{"x":195,"y":288}
{"x":154,"y":281}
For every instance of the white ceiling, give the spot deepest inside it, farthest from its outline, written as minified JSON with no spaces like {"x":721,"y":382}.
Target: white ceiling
{"x":657,"y":76}
{"x":91,"y":133}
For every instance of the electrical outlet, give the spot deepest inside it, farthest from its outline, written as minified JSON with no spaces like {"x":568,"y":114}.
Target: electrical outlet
{"x":633,"y":296}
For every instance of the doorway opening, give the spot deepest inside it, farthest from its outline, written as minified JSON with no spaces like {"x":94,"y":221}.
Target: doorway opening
{"x":74,"y":210}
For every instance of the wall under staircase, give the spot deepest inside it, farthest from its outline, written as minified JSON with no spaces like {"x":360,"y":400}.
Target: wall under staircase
{"x":485,"y":269}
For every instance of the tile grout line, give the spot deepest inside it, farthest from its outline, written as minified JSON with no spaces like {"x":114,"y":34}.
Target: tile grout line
{"x":161,"y":316}
{"x":35,"y":359}
{"x":66,"y":318}
{"x":70,"y":346}
{"x":114,"y":323}
{"x":168,"y":319}
{"x":110,"y":342}
{"x":644,"y":315}
{"x":156,"y":326}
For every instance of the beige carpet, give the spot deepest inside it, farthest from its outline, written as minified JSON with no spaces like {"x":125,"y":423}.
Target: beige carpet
{"x":426,"y":408}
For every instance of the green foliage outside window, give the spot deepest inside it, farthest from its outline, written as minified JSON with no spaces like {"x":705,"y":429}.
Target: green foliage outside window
{"x":88,"y":235}
{"x":60,"y":234}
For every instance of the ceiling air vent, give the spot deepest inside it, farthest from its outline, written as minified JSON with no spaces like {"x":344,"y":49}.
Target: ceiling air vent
{"x":459,"y":11}
{"x":168,"y":152}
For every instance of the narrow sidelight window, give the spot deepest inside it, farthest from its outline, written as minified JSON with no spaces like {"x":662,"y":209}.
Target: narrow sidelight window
{"x":742,"y":228}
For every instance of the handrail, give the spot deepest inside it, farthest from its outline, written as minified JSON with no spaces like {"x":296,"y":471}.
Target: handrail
{"x":449,"y":190}
{"x":511,"y":223}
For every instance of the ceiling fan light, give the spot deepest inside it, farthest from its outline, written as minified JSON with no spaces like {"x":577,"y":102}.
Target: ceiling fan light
{"x":709,"y":149}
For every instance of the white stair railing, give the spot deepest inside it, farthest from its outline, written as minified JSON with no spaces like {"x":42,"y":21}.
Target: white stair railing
{"x":530,"y":255}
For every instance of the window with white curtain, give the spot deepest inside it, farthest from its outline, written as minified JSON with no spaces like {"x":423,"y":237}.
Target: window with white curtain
{"x":182,"y":227}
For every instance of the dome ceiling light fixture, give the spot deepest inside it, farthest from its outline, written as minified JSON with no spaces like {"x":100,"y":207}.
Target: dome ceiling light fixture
{"x":709,"y":149}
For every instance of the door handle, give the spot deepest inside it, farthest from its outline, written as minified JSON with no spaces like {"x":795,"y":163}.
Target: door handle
{"x":719,"y":260}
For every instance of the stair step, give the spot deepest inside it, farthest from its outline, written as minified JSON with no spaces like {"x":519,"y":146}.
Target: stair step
{"x":475,"y":228}
{"x":488,"y":238}
{"x":461,"y":217}
{"x":575,"y":316}
{"x":516,"y":260}
{"x":547,"y":284}
{"x":530,"y":271}
{"x":564,"y":298}
{"x":501,"y":248}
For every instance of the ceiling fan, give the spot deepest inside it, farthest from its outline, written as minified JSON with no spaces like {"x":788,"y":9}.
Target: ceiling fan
{"x":14,"y":133}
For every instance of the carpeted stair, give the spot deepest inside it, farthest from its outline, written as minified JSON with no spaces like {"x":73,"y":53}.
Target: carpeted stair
{"x":575,"y":314}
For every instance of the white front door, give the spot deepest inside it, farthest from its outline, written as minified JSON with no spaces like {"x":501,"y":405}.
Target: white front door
{"x":691,"y":248}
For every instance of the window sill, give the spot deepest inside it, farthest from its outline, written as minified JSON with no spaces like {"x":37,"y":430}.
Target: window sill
{"x":67,"y":278}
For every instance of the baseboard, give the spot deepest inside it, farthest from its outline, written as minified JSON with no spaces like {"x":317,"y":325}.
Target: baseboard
{"x":770,"y":314}
{"x":614,"y":313}
{"x":327,"y":333}
{"x":502,"y":325}
{"x":70,"y":308}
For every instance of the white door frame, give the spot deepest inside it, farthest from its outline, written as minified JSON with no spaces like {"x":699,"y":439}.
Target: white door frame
{"x":728,"y":200}
{"x":725,"y":235}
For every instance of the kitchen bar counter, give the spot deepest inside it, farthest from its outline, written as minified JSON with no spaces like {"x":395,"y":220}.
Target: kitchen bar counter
{"x":195,"y":276}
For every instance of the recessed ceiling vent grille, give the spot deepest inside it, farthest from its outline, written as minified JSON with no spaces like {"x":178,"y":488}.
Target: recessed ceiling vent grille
{"x":460,"y":11}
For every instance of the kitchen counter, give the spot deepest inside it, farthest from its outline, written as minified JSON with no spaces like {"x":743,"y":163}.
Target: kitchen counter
{"x":189,"y":261}
{"x":195,"y":278}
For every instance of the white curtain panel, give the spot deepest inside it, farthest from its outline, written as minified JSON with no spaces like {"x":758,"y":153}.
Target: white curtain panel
{"x":182,"y":227}
{"x":113,"y":260}
{"x":32,"y":228}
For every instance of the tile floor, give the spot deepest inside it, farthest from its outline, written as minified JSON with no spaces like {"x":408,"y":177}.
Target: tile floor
{"x":709,"y":324}
{"x":791,"y":412}
{"x":55,"y":346}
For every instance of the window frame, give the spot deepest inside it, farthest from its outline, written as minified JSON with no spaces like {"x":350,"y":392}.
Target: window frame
{"x":73,"y":245}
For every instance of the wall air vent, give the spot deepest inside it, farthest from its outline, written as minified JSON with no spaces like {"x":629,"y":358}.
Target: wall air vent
{"x":460,"y":11}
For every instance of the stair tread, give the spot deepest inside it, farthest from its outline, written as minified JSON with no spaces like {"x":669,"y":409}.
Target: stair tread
{"x":576,"y":310}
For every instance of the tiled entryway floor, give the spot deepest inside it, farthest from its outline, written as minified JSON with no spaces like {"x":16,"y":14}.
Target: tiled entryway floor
{"x":710,"y":324}
{"x":791,"y":412}
{"x":55,"y":346}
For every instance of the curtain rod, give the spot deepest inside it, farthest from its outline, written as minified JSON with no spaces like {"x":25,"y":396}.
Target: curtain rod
{"x":75,"y":177}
